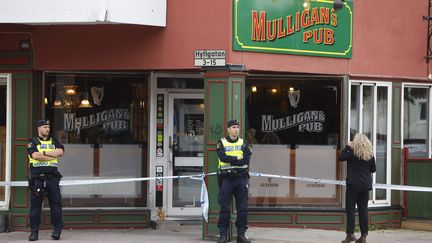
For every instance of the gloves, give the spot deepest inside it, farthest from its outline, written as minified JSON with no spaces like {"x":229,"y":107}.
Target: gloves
{"x":239,"y":157}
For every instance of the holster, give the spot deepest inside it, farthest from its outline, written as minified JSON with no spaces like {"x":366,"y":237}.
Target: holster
{"x":37,"y":184}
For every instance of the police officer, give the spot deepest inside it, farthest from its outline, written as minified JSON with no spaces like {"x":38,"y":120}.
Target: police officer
{"x":233,"y":177}
{"x":43,"y":152}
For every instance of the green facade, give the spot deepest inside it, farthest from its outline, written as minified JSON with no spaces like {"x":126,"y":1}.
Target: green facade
{"x":419,"y":174}
{"x":224,"y":100}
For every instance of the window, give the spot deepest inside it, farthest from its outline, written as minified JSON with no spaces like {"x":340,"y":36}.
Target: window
{"x":416,"y":120}
{"x":370,"y":106}
{"x":102,"y":121}
{"x":3,"y":109}
{"x":293,"y":125}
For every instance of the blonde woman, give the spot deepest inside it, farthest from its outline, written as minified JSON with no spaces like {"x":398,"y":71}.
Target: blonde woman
{"x":360,"y":164}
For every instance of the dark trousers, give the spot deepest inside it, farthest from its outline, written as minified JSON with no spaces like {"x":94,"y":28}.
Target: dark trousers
{"x":239,"y":187}
{"x":360,"y":196}
{"x":54,"y":199}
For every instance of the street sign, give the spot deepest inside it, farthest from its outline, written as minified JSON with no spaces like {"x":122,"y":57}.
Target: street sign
{"x":209,"y":58}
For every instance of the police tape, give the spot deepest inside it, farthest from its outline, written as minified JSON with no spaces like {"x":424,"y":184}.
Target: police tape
{"x":343,"y":183}
{"x":204,"y":193}
{"x":201,"y":176}
{"x":106,"y":181}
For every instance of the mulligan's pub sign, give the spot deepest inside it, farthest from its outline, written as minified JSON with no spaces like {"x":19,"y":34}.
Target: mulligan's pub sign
{"x":301,"y":27}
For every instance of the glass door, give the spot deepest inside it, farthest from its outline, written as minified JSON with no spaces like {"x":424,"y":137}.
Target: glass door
{"x":186,"y":138}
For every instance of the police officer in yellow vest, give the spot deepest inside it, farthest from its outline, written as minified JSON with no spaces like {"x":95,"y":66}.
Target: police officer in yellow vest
{"x":234,"y":156}
{"x":43,"y":152}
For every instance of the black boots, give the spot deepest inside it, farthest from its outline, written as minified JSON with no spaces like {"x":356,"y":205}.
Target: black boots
{"x":33,"y":235}
{"x":362,"y":239}
{"x":349,"y":238}
{"x":56,"y":234}
{"x":222,"y":238}
{"x":241,"y":238}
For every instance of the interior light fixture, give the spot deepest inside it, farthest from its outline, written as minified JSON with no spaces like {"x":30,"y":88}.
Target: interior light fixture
{"x":274,"y":91}
{"x":254,"y":89}
{"x":46,"y":101}
{"x":291,"y":89}
{"x":85,"y":103}
{"x":70,"y":89}
{"x":58,"y":104}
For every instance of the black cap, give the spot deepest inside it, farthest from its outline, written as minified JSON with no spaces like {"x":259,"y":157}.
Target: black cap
{"x":232,"y":123}
{"x":43,"y":122}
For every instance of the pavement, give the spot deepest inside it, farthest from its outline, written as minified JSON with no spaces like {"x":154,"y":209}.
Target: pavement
{"x":192,"y":233}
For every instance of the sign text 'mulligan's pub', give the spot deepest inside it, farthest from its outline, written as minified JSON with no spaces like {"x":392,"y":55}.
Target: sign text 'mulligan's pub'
{"x":291,"y":27}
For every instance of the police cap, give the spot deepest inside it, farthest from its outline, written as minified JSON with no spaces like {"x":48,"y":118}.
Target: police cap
{"x":43,"y":122}
{"x":232,"y":123}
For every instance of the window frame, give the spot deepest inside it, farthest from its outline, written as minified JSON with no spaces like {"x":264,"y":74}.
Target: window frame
{"x":375,"y":84}
{"x":428,"y":119}
{"x":5,"y":204}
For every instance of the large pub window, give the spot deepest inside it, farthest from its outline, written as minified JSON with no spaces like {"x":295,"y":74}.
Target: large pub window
{"x":293,"y":124}
{"x":102,"y":119}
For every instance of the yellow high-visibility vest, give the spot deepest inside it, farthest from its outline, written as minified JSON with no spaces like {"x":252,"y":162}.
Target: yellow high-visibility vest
{"x":41,"y":147}
{"x":232,"y":149}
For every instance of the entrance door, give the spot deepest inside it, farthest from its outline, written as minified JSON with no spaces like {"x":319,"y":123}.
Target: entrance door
{"x":186,"y":137}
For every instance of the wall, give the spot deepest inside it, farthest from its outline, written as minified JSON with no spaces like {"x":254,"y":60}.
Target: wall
{"x":389,"y":39}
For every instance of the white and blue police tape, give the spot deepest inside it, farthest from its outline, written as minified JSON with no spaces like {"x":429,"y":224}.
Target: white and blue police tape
{"x":105,"y":181}
{"x":204,"y":193}
{"x":343,"y":183}
{"x":201,"y":177}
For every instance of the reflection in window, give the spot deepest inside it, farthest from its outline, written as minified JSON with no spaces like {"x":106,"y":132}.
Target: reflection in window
{"x":102,"y":120}
{"x":188,"y":127}
{"x":381,"y":140}
{"x":368,"y":111}
{"x":293,"y":124}
{"x":355,"y":110}
{"x":415,"y":129}
{"x":292,"y":111}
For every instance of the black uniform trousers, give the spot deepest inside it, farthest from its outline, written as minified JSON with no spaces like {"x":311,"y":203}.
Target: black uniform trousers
{"x":360,"y":196}
{"x":239,"y":187}
{"x":54,"y":199}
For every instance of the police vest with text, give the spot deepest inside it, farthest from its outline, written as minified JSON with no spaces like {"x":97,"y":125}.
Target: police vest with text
{"x":44,"y":146}
{"x":232,"y":149}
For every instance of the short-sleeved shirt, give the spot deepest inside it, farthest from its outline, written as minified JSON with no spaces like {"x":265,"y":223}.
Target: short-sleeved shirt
{"x":31,"y":148}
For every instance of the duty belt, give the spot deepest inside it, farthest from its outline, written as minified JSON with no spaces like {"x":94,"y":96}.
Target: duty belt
{"x":39,"y":164}
{"x":233,"y":167}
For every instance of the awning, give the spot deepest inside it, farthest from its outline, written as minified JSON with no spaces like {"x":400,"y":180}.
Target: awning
{"x":141,"y":12}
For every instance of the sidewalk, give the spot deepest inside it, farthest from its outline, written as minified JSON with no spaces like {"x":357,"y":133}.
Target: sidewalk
{"x":192,"y":233}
